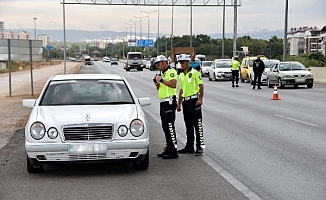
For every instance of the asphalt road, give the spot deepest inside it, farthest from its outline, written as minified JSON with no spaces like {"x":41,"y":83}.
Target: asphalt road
{"x":188,"y":177}
{"x":275,"y":148}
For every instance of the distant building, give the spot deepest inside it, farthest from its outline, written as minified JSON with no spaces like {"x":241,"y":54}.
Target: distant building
{"x":305,"y":40}
{"x":44,"y":38}
{"x":1,"y":26}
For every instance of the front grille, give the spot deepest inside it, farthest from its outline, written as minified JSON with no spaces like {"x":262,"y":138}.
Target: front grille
{"x":88,"y":132}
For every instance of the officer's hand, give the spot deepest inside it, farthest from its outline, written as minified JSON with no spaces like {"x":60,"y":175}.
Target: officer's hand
{"x":178,"y":107}
{"x":157,"y":84}
{"x":199,"y":102}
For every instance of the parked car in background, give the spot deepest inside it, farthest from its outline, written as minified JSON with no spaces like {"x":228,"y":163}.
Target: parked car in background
{"x":95,"y":59}
{"x":268,"y":64}
{"x":87,"y":60}
{"x":114,"y":61}
{"x":148,"y":64}
{"x":245,"y":68}
{"x":106,"y":59}
{"x":220,"y":70}
{"x":289,"y":73}
{"x":205,"y":66}
{"x":86,"y":118}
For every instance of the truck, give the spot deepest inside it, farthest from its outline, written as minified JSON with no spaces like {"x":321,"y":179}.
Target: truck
{"x":87,"y":60}
{"x":134,"y":61}
{"x":175,"y":53}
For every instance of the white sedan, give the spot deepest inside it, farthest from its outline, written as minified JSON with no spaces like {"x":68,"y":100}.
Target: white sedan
{"x":87,"y":118}
{"x":205,"y":66}
{"x":220,"y":70}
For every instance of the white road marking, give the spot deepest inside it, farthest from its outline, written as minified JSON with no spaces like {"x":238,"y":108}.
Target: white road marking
{"x":218,"y":168}
{"x":225,"y":100}
{"x":296,"y":120}
{"x":316,"y":98}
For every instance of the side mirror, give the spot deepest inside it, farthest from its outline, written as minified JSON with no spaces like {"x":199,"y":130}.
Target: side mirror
{"x":308,"y":69}
{"x":29,"y":103}
{"x":144,"y":101}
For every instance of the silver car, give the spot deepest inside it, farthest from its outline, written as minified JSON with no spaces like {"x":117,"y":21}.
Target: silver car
{"x":86,"y":118}
{"x":289,"y":73}
{"x":205,"y":65}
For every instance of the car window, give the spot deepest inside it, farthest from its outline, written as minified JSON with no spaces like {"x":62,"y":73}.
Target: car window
{"x":292,"y":66}
{"x":223,"y":64}
{"x":207,"y":64}
{"x":114,"y":59}
{"x":270,"y":63}
{"x":134,"y":56}
{"x":86,"y":92}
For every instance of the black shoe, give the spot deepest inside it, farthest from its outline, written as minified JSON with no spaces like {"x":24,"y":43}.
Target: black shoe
{"x":253,"y":88}
{"x":233,"y":86}
{"x":171,"y":155}
{"x":199,"y":152}
{"x":237,"y":86}
{"x":259,"y":87}
{"x":160,"y":155}
{"x":186,"y":150}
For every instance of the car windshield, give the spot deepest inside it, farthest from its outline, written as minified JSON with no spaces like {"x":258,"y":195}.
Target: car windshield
{"x":207,"y":64}
{"x":291,"y":66}
{"x":223,"y":64}
{"x":270,"y":63}
{"x":86,"y":92}
{"x":134,"y":56}
{"x":114,"y":59}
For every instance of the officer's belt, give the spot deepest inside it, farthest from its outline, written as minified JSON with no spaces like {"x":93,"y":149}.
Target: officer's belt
{"x":191,"y":97}
{"x":167,"y":99}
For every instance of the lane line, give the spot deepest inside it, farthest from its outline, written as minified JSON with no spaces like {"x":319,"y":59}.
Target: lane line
{"x":218,"y":168}
{"x":316,"y":98}
{"x":225,"y":100}
{"x":296,"y":120}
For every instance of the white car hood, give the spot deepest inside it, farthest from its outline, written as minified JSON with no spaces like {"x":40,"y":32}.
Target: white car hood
{"x":295,"y":72}
{"x":223,"y":69}
{"x":64,"y":115}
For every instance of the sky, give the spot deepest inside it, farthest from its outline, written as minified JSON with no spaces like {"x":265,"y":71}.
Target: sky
{"x":253,"y":15}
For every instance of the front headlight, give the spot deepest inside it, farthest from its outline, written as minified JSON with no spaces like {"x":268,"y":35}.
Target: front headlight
{"x":220,"y":72}
{"x":309,"y":75}
{"x":52,"y":133}
{"x":37,"y":130}
{"x":137,"y":127}
{"x":122,"y":130}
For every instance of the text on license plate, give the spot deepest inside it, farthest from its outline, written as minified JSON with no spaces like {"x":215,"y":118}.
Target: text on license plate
{"x":300,"y":80}
{"x":87,"y":148}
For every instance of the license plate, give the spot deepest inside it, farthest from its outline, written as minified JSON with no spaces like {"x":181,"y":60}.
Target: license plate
{"x":87,"y":148}
{"x":300,"y":80}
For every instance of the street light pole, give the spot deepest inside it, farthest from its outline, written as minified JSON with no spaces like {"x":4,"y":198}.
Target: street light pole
{"x":123,"y":40}
{"x":235,"y":28}
{"x":148,"y":13}
{"x":34,"y":28}
{"x":140,"y":33}
{"x":285,"y":40}
{"x":135,"y":32}
{"x":223,"y":34}
{"x":158,"y":31}
{"x":172,"y":29}
{"x":190,"y":23}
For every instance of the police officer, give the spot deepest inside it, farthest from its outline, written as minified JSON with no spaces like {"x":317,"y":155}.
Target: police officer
{"x":191,"y":97}
{"x":235,"y":71}
{"x":258,"y":67}
{"x":166,"y":83}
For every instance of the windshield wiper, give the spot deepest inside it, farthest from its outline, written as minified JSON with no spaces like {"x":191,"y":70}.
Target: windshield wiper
{"x":114,"y":102}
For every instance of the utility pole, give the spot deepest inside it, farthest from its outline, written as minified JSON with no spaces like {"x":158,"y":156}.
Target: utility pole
{"x":223,"y":34}
{"x":148,"y":13}
{"x":190,"y":23}
{"x":285,"y":40}
{"x":35,"y":28}
{"x":135,"y":32}
{"x":235,"y":28}
{"x":140,"y":18}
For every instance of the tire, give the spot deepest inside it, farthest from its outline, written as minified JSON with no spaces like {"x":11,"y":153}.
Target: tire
{"x":209,"y":78}
{"x":241,"y":79}
{"x":142,"y":164}
{"x":141,"y":69}
{"x":310,"y":85}
{"x":269,"y":83}
{"x":280,"y":83}
{"x":127,"y":69}
{"x":33,"y":168}
{"x":296,"y":86}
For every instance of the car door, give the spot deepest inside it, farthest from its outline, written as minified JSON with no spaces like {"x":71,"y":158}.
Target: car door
{"x":273,"y":74}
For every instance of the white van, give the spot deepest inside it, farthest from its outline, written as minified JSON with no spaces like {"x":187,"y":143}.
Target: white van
{"x":134,"y":61}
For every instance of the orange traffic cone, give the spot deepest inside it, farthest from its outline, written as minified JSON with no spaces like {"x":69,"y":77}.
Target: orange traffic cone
{"x":275,"y":94}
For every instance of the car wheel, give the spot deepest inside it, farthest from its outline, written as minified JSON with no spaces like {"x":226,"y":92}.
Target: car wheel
{"x":269,"y":83}
{"x":296,"y":86}
{"x":310,"y":85}
{"x":280,"y":83}
{"x":142,"y":164}
{"x":33,"y":168}
{"x":141,"y":69}
{"x":209,"y":78}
